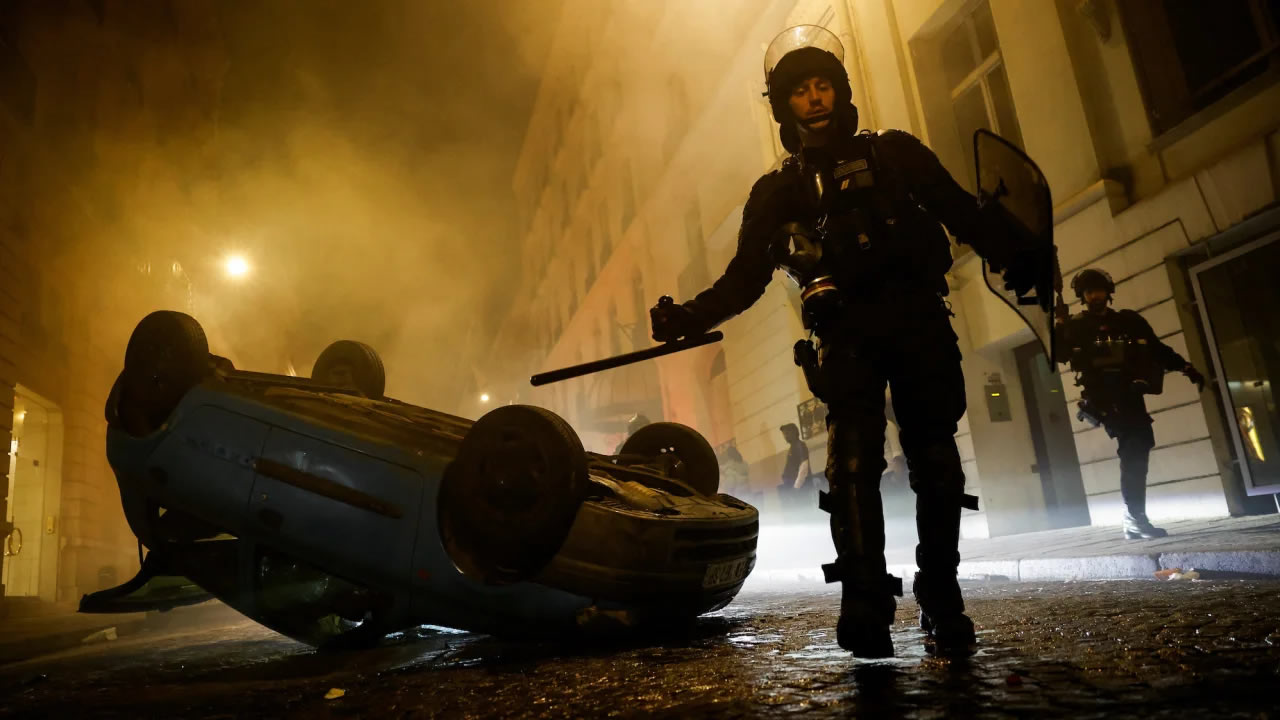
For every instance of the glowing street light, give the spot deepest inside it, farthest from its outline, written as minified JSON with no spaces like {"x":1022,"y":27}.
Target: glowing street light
{"x":236,"y":266}
{"x":484,"y":397}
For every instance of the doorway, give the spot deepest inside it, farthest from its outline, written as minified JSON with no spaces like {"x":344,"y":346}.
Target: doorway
{"x":1238,"y":297}
{"x":1056,"y":461}
{"x":30,"y":567}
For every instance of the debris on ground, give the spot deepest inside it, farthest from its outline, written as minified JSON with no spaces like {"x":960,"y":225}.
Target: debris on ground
{"x":101,"y":636}
{"x":334,"y":693}
{"x":1177,"y":574}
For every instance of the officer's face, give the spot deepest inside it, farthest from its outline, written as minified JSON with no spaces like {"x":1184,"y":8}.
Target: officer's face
{"x":813,"y":98}
{"x":1096,"y":298}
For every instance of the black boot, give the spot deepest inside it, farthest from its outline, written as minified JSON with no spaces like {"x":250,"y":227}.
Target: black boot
{"x":936,"y":588}
{"x":1136,"y":525}
{"x":1135,"y":441}
{"x":942,"y":615}
{"x":867,"y":608}
{"x":867,"y":603}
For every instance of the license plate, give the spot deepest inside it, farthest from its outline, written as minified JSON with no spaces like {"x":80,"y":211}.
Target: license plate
{"x":725,"y":573}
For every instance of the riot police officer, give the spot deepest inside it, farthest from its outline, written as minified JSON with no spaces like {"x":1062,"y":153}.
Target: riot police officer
{"x":636,"y":422}
{"x":853,"y":218}
{"x":1118,"y":360}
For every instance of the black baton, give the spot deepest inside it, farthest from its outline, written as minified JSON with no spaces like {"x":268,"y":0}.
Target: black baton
{"x":674,"y":346}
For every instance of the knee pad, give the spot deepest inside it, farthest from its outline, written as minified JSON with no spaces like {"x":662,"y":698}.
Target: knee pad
{"x":936,"y":469}
{"x":844,"y":487}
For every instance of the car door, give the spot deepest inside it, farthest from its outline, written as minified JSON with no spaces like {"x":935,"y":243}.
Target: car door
{"x":348,"y":512}
{"x":204,"y":467}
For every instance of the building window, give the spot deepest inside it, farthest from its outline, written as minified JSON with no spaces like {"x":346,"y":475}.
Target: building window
{"x":615,"y":337}
{"x":606,"y":233}
{"x":573,"y":289}
{"x":639,"y":330}
{"x":677,"y":115}
{"x":628,"y":198}
{"x":591,"y":268}
{"x":591,"y":128}
{"x":570,"y":195}
{"x":693,"y":279}
{"x":597,"y":252}
{"x":1189,"y":55}
{"x":1239,"y":304}
{"x":975,"y":73}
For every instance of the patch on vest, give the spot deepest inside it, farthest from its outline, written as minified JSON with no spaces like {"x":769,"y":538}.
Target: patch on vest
{"x":851,"y":167}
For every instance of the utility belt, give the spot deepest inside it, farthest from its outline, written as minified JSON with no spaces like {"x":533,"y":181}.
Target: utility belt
{"x":1145,"y":379}
{"x":828,"y":302}
{"x":1111,"y":405}
{"x":844,"y":320}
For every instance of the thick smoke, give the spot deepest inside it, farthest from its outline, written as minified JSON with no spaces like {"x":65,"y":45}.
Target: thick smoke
{"x":358,"y":155}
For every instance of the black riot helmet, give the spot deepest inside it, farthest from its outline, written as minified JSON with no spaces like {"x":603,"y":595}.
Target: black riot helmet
{"x":799,"y":53}
{"x":1093,"y":279}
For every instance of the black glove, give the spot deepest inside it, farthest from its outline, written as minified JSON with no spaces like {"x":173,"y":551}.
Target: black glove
{"x":1023,"y":272}
{"x":672,"y":321}
{"x":1008,"y":249}
{"x":1194,"y":376}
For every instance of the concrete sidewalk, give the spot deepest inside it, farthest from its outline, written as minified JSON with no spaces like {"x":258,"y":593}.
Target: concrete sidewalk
{"x":1248,"y":546}
{"x":22,"y":638}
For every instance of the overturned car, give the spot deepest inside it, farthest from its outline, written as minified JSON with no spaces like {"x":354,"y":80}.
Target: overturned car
{"x":334,"y":515}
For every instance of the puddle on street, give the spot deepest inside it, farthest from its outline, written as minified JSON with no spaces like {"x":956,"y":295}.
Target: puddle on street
{"x":1123,"y":649}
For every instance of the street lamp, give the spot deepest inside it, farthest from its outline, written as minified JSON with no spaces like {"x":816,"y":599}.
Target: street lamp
{"x":484,"y":398}
{"x":236,"y":266}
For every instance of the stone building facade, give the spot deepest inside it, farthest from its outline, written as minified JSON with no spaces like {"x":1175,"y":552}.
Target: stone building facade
{"x":1155,"y":123}
{"x":104,"y":107}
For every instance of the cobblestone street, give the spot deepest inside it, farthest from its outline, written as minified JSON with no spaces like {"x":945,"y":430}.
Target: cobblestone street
{"x":1121,"y":648}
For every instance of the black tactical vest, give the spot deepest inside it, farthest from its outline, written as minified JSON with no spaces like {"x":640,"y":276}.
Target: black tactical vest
{"x":875,"y":238}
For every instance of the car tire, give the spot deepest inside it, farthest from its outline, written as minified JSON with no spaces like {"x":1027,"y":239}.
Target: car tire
{"x":367,"y":372}
{"x":510,"y":496}
{"x":695,"y":460}
{"x":167,"y":355}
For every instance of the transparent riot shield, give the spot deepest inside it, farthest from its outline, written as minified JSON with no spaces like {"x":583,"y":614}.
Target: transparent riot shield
{"x":800,"y":36}
{"x":1007,"y":177}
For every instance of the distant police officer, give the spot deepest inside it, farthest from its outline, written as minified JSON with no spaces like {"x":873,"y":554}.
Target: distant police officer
{"x":1119,"y":359}
{"x":636,"y":422}
{"x":853,"y":219}
{"x":795,"y":485}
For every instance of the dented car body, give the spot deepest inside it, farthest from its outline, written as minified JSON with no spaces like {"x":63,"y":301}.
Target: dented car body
{"x":337,"y":517}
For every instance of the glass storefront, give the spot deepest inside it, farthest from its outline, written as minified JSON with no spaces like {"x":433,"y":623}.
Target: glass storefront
{"x":1239,"y":300}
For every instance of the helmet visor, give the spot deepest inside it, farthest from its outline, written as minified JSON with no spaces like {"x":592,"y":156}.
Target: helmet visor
{"x":801,"y":36}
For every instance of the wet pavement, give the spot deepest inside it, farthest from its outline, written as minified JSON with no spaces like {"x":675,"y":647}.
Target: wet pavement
{"x":1082,"y":649}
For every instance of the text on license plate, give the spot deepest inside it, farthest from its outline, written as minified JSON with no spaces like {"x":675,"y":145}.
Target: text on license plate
{"x":725,"y":573}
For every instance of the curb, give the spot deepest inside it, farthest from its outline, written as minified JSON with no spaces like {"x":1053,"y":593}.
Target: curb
{"x":1252,"y":563}
{"x":1132,"y":566}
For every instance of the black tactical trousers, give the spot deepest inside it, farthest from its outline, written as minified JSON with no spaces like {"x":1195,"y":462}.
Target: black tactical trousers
{"x":914,"y":351}
{"x":1134,"y":440}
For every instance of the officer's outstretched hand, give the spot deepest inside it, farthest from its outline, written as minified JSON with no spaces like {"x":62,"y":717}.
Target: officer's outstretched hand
{"x":672,"y":321}
{"x":1194,"y":376}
